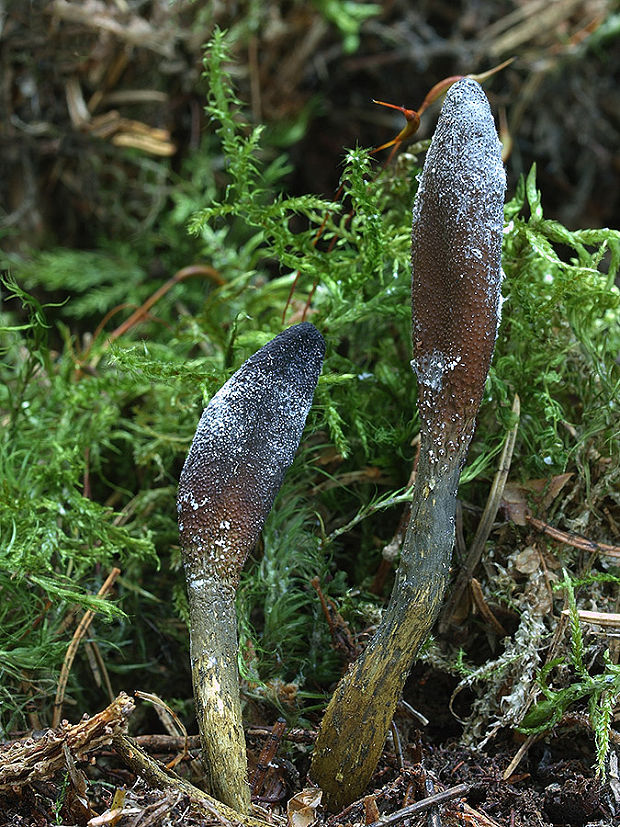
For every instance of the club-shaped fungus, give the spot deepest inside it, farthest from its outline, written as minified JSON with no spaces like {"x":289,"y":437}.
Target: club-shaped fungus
{"x":245,"y":441}
{"x":456,"y":256}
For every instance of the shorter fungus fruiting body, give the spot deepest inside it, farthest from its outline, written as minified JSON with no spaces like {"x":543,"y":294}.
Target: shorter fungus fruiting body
{"x":245,"y":441}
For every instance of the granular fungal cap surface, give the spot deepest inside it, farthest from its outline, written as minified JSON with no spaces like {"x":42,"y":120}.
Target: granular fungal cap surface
{"x":456,"y":257}
{"x":246,"y":439}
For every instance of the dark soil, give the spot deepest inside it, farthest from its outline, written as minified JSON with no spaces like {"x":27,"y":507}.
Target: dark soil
{"x":553,"y":785}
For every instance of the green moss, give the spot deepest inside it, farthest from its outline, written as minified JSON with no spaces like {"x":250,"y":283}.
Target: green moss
{"x":95,"y":433}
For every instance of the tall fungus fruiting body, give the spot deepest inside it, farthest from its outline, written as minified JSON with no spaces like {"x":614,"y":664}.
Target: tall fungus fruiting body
{"x":245,"y":441}
{"x":456,"y":255}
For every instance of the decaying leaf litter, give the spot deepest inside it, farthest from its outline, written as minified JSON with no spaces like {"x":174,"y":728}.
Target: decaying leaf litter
{"x":540,"y":582}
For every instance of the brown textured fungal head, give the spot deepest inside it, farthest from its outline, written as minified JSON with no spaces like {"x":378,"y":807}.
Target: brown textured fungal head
{"x":456,"y":255}
{"x":246,"y":439}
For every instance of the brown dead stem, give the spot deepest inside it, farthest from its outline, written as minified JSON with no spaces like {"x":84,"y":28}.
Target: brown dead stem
{"x":73,"y":647}
{"x":574,"y":540}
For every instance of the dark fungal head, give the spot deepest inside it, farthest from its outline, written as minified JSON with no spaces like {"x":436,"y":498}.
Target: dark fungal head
{"x":245,"y":440}
{"x":456,"y":255}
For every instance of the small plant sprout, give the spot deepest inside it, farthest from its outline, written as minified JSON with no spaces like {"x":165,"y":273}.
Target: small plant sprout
{"x":246,"y":439}
{"x":456,"y":252}
{"x":413,"y":118}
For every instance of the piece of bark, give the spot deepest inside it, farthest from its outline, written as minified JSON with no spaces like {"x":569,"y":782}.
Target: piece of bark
{"x":36,"y":759}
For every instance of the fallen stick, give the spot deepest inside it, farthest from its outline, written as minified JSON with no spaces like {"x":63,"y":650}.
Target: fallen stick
{"x":421,"y":806}
{"x":572,"y":539}
{"x":79,"y":633}
{"x":158,"y":776}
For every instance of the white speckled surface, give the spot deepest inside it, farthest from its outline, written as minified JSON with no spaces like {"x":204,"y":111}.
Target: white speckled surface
{"x":456,"y":257}
{"x":245,"y":440}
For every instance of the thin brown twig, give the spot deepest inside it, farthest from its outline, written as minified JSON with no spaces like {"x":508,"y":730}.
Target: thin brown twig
{"x":574,"y":540}
{"x":191,"y":271}
{"x":142,"y":312}
{"x":99,"y":669}
{"x":483,"y":607}
{"x":433,"y":817}
{"x":100,"y":327}
{"x":159,"y":742}
{"x":79,"y":633}
{"x":531,"y":739}
{"x":421,"y":806}
{"x":267,"y":754}
{"x":165,"y":713}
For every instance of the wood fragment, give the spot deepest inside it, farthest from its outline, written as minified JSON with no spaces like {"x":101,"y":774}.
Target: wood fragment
{"x":28,"y":760}
{"x":610,"y":620}
{"x":145,"y":143}
{"x":371,"y":811}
